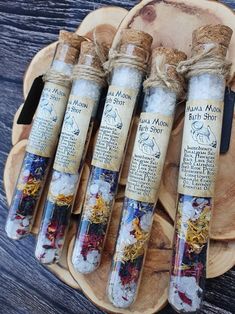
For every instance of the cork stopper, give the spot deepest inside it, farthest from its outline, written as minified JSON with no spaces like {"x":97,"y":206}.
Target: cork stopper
{"x":212,"y":34}
{"x":68,"y":47}
{"x":88,"y":55}
{"x":90,"y":63}
{"x":137,"y":38}
{"x":71,"y":39}
{"x":171,"y":58}
{"x":136,"y":43}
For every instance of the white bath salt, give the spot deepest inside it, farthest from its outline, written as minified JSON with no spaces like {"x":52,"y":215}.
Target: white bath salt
{"x":63,"y":184}
{"x":146,"y":221}
{"x":47,"y":255}
{"x":122,"y":296}
{"x":18,"y":227}
{"x":126,"y":238}
{"x":165,"y":100}
{"x":48,"y":252}
{"x":185,"y":294}
{"x":123,"y":75}
{"x":86,"y":264}
{"x":210,"y":87}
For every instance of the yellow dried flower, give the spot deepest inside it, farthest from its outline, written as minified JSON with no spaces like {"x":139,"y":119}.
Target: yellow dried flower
{"x":31,"y":188}
{"x":98,"y":213}
{"x":63,"y":200}
{"x":197,"y":232}
{"x":139,"y":235}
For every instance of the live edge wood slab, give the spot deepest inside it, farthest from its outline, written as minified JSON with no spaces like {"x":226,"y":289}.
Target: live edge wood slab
{"x":18,"y":286}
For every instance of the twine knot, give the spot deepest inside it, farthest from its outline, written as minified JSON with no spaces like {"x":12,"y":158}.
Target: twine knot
{"x":57,"y":78}
{"x":160,"y":77}
{"x":207,"y":61}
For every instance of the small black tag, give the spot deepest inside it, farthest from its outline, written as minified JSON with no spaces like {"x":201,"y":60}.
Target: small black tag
{"x":227,"y":120}
{"x":31,"y":102}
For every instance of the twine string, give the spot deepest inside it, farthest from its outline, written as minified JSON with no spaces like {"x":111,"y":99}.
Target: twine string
{"x":207,"y":61}
{"x":86,"y":72}
{"x":160,"y":78}
{"x":57,"y":78}
{"x":121,"y":59}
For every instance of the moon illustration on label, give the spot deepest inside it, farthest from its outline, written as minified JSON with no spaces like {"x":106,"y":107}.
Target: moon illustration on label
{"x":112,"y":117}
{"x":148,"y":145}
{"x":203,"y":135}
{"x":47,"y":110}
{"x":71,"y":125}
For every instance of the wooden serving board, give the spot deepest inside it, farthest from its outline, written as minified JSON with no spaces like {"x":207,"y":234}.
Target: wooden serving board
{"x":153,"y":291}
{"x":148,"y":16}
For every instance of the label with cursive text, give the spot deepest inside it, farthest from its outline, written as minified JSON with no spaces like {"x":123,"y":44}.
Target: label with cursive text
{"x":114,"y":128}
{"x":73,"y":135}
{"x":48,"y":119}
{"x":200,"y":147}
{"x":148,"y":157}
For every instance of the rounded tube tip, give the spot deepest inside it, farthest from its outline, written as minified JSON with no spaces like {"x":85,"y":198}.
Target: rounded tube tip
{"x":88,"y":264}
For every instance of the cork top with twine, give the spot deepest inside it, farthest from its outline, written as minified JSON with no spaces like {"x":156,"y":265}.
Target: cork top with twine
{"x":209,"y":49}
{"x":163,"y":70}
{"x":90,"y":63}
{"x":132,"y":51}
{"x":67,"y":51}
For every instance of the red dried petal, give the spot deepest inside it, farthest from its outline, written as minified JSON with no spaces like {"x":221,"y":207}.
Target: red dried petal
{"x":131,"y":275}
{"x":18,"y":217}
{"x":91,"y":242}
{"x":21,"y":231}
{"x":126,"y":280}
{"x":184,"y":298}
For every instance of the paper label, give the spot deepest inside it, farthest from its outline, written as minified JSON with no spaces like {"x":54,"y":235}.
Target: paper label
{"x":114,"y":128}
{"x":73,"y":135}
{"x":200,"y":147}
{"x":148,"y":157}
{"x":47,"y":123}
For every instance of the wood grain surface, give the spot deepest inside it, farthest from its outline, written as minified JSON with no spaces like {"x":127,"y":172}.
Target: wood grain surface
{"x":25,"y":286}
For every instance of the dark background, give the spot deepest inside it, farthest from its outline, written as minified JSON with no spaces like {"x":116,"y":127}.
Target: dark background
{"x":26,"y":287}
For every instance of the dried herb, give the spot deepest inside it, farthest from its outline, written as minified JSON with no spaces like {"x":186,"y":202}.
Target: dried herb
{"x":130,"y":249}
{"x":99,"y":200}
{"x":27,"y":193}
{"x":53,"y":230}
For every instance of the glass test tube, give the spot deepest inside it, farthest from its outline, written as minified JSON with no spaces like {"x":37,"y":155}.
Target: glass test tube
{"x":109,"y":150}
{"x":143,"y":181}
{"x":198,"y":168}
{"x":75,"y":135}
{"x":43,"y":138}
